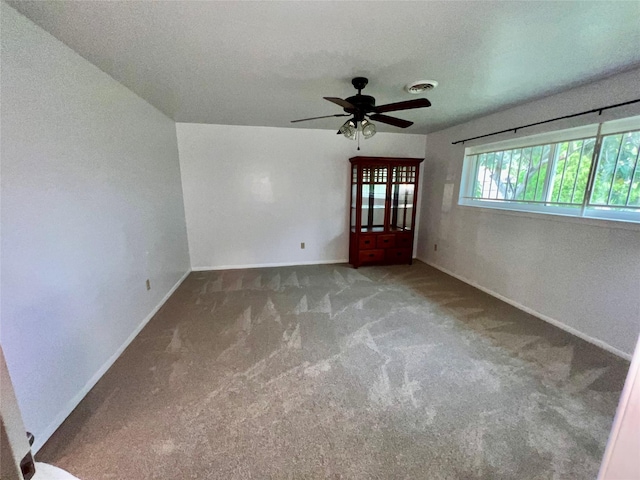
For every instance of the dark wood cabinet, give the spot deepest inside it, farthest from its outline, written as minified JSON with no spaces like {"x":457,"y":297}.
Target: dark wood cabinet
{"x":384,"y":192}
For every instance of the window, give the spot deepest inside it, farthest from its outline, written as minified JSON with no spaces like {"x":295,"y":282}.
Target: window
{"x":591,"y":171}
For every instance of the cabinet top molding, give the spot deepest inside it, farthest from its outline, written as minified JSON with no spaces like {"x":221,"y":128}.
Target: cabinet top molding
{"x":385,"y":159}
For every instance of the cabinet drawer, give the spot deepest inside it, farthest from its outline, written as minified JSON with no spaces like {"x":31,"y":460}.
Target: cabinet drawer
{"x":369,"y":256}
{"x":386,"y":241}
{"x":367,"y":242}
{"x":398,"y":255}
{"x":403,"y":240}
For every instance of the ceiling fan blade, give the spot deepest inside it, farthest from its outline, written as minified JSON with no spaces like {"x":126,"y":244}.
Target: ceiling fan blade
{"x":396,"y":122}
{"x":341,"y":102}
{"x":409,"y":104}
{"x":326,"y":116}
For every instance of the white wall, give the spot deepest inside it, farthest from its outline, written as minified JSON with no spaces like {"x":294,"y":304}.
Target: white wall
{"x":583,"y":274}
{"x":253,"y":194}
{"x":620,"y":459}
{"x":91,"y":207}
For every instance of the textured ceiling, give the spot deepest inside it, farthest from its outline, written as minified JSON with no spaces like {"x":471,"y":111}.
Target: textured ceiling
{"x":266,"y":63}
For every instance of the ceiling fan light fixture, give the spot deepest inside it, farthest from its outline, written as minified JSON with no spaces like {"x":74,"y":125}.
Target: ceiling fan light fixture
{"x":368,"y":129}
{"x":349,"y":129}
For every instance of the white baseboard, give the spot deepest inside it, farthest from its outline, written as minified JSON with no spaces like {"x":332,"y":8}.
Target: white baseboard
{"x":266,"y":265}
{"x":42,"y":437}
{"x":541,"y":316}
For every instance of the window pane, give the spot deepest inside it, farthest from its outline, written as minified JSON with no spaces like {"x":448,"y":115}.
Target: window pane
{"x":521,"y":174}
{"x":524,"y":166}
{"x":582,"y":171}
{"x":572,"y":171}
{"x":606,"y":166}
{"x":634,"y":193}
{"x":534,"y":186}
{"x":617,"y":183}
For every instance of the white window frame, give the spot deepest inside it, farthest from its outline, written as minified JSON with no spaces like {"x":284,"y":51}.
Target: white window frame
{"x":581,"y":211}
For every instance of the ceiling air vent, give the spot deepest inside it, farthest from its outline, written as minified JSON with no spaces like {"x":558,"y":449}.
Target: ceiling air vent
{"x":421,"y":86}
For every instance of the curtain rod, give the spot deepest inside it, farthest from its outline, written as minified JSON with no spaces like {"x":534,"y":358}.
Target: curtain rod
{"x":514,"y":130}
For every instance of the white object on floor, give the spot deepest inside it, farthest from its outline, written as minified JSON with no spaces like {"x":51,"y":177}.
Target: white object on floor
{"x":44,"y":471}
{"x":621,"y":456}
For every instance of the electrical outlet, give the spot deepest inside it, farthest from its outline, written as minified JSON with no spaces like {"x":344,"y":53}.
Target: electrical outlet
{"x":302,"y":245}
{"x":435,"y":247}
{"x":148,"y":282}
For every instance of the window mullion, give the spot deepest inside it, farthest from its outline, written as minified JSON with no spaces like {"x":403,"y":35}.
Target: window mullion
{"x":595,"y":160}
{"x":515,"y":188}
{"x":575,"y":181}
{"x":564,"y":170}
{"x":508,"y":186}
{"x":615,"y":169}
{"x":633,"y":175}
{"x":527,"y":173}
{"x":535,"y":194}
{"x":499,"y":174}
{"x":551,"y":167}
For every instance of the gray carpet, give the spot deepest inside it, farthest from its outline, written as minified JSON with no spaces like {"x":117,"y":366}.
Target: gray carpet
{"x":330,"y":372}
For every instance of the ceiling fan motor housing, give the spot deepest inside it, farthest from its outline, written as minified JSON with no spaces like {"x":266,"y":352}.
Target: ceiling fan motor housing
{"x":359,"y":82}
{"x":363,"y":103}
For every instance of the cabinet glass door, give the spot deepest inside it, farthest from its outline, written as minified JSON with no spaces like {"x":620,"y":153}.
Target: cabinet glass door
{"x":374,"y":195}
{"x":354,"y":196}
{"x":403,"y":180}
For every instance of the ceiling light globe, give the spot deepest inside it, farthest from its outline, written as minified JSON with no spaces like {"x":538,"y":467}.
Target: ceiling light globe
{"x":368,"y":129}
{"x":349,"y":129}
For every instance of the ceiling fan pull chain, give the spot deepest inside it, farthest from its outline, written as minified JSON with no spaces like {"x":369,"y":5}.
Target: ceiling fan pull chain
{"x":358,"y":137}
